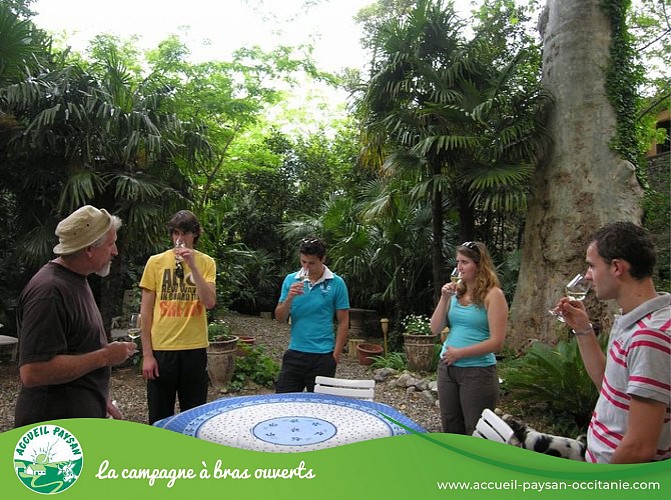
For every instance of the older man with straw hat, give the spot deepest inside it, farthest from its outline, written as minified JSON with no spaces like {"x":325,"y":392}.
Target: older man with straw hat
{"x":64,"y":358}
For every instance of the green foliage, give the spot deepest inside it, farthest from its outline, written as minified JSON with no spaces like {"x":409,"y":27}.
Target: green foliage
{"x":436,"y":357}
{"x":22,"y":45}
{"x":622,"y":80}
{"x":554,"y":379}
{"x":455,"y":124}
{"x":97,"y":133}
{"x":146,"y":134}
{"x":396,"y":360}
{"x":378,"y":242}
{"x":254,"y":366}
{"x":657,"y":219}
{"x":650,"y":26}
{"x":218,"y":331}
{"x":508,"y":271}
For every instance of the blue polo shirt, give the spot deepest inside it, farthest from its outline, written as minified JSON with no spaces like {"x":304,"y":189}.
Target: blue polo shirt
{"x":312,"y":314}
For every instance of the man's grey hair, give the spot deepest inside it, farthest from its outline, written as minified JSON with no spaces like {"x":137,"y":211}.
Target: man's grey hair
{"x":116,"y":224}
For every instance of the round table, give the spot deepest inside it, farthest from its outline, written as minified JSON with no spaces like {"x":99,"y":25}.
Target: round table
{"x":289,"y":422}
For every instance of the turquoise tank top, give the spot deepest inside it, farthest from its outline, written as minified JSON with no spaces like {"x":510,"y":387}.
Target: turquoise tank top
{"x":468,"y":326}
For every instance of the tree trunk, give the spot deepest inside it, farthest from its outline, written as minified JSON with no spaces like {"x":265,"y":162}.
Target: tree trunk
{"x":111,"y":296}
{"x":111,"y":290}
{"x":581,"y":184}
{"x":437,"y":261}
{"x":466,"y":218}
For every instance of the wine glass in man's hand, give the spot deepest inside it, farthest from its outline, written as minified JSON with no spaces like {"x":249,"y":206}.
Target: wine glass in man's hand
{"x":135,"y":326}
{"x":576,"y":289}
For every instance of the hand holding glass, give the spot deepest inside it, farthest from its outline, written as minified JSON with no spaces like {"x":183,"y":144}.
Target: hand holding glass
{"x":135,"y":326}
{"x":576,"y":289}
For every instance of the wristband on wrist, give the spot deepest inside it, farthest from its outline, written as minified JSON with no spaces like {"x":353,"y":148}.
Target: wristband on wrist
{"x":590,"y":328}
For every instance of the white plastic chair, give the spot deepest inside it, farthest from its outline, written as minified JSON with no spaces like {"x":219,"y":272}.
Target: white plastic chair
{"x":352,"y":388}
{"x":492,"y":427}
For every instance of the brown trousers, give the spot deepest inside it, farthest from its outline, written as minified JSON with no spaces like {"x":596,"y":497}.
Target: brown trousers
{"x":463,"y":393}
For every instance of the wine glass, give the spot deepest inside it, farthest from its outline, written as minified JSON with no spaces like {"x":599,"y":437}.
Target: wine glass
{"x":455,"y":276}
{"x":576,"y":289}
{"x":303,"y":274}
{"x":135,"y":326}
{"x":179,"y":271}
{"x":179,"y":244}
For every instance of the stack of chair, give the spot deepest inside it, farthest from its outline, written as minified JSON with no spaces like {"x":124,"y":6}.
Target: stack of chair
{"x":359,"y":389}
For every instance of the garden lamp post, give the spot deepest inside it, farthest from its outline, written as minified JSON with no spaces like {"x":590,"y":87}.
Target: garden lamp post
{"x":384,"y":323}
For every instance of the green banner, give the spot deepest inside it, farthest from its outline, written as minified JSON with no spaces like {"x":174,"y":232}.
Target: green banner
{"x":100,"y":459}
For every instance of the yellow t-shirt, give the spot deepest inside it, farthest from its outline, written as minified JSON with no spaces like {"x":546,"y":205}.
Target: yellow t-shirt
{"x":179,"y":319}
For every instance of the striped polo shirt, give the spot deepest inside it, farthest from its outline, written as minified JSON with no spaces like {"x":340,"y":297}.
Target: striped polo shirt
{"x":638,"y":363}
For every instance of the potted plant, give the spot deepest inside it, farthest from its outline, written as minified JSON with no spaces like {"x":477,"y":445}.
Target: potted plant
{"x":244,"y":343}
{"x":220,"y":337}
{"x":366,"y":351}
{"x":220,"y":354}
{"x":418,"y":342}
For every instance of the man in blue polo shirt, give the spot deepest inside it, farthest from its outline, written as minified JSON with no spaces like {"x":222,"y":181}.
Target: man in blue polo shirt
{"x":312,"y":297}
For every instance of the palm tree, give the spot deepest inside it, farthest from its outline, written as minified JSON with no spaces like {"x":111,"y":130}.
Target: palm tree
{"x":96,"y":134}
{"x":408,"y":53}
{"x":22,"y":45}
{"x":456,"y":115}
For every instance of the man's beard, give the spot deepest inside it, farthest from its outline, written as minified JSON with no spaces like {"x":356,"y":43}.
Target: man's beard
{"x":105,"y":270}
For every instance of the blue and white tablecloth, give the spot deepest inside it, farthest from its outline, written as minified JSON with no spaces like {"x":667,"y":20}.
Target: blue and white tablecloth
{"x":290,"y":422}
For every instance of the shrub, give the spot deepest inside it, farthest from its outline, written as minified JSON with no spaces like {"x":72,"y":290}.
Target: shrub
{"x":218,"y":331}
{"x":436,"y":357}
{"x":553,"y":378}
{"x":395,"y":360}
{"x":255,"y":366}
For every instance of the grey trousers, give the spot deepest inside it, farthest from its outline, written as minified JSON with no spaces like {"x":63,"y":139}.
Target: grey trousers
{"x":463,"y":393}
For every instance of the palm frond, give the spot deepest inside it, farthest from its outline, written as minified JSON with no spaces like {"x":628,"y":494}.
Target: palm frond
{"x":80,"y":187}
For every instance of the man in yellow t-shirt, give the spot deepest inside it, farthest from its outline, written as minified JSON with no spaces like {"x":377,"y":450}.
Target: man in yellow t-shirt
{"x":178,"y":286}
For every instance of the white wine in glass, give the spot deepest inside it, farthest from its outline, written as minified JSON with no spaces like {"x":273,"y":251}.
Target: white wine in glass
{"x":303,"y":275}
{"x":135,"y":326}
{"x":576,"y":295}
{"x":455,"y":277}
{"x":576,"y":289}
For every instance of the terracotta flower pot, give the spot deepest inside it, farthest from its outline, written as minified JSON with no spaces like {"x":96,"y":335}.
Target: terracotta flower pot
{"x":244,"y":340}
{"x":366,"y":351}
{"x":229,"y":343}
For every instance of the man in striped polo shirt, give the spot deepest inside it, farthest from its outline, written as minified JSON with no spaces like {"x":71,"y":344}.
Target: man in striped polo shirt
{"x":630,"y":423}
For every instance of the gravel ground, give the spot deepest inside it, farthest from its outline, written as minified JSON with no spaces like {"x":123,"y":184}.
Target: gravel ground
{"x":128,"y":388}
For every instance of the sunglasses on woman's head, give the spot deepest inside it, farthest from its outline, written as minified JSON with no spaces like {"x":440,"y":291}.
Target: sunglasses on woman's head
{"x":471,"y":245}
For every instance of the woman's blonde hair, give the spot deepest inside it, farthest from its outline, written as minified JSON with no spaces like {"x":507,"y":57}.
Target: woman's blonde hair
{"x":485,"y":274}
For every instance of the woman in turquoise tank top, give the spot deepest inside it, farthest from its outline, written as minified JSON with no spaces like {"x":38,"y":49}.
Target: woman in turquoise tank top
{"x":476,"y":311}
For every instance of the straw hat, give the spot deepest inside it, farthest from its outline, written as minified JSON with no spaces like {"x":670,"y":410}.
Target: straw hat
{"x":81,"y":228}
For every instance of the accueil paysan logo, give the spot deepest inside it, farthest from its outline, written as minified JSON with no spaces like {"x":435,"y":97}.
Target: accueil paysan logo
{"x":48,"y":459}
